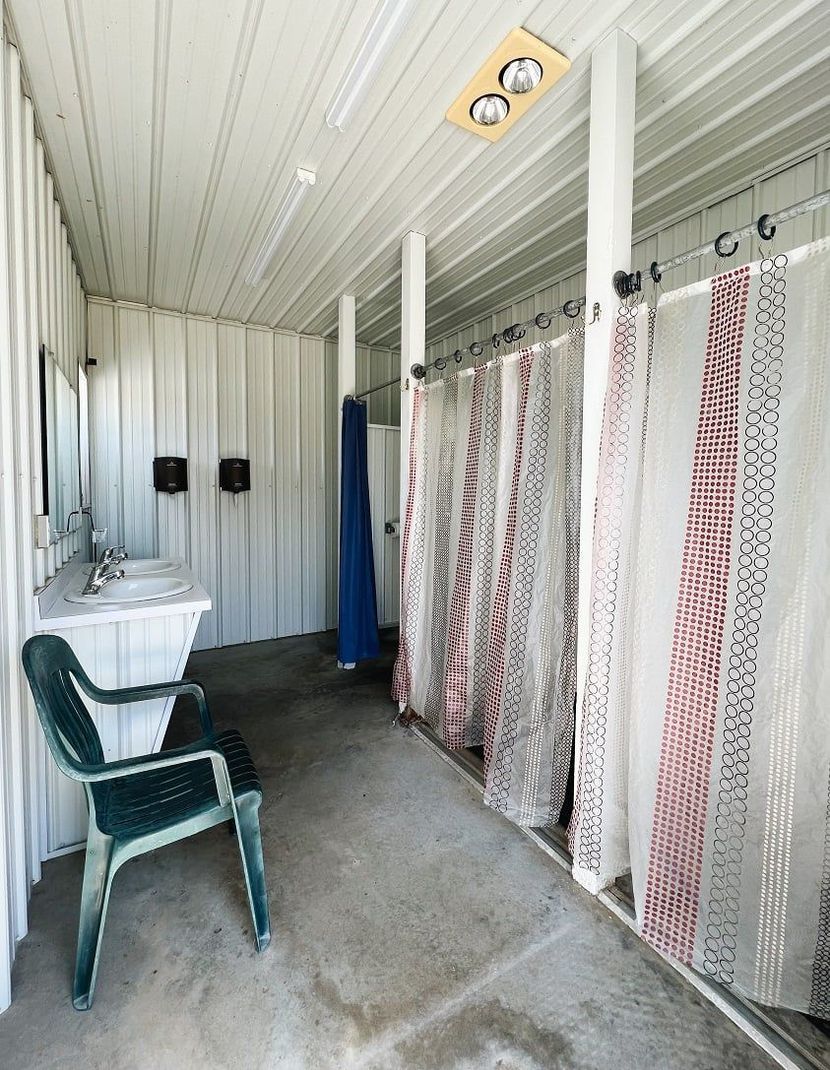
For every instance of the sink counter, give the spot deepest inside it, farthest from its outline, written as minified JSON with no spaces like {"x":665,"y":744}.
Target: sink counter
{"x":53,"y":612}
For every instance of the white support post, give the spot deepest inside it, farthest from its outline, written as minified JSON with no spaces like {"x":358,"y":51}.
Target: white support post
{"x":610,"y":196}
{"x":413,"y":339}
{"x":346,"y":369}
{"x":346,"y":384}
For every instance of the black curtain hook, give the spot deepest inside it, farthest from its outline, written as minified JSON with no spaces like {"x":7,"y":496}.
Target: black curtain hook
{"x":626,"y":284}
{"x":766,"y":229}
{"x":719,"y":246}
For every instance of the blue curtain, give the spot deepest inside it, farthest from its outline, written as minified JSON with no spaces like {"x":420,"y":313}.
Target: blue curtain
{"x":357,"y":634}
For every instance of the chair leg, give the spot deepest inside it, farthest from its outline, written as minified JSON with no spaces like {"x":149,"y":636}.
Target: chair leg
{"x":98,"y":874}
{"x":250,"y":847}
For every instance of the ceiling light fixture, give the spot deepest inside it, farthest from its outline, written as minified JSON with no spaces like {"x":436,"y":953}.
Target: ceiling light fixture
{"x":303,"y":181}
{"x":384,"y":29}
{"x":521,"y":75}
{"x":517,"y":74}
{"x":489,"y":109}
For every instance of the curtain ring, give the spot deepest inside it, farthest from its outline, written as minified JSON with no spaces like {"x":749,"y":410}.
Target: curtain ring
{"x":543,"y":321}
{"x":440,"y":363}
{"x":517,"y":331}
{"x":458,"y":356}
{"x":507,"y":335}
{"x":719,"y":246}
{"x":656,"y":276}
{"x":495,"y":341}
{"x":765,"y":228}
{"x":418,"y":371}
{"x":571,"y":309}
{"x":476,"y":349}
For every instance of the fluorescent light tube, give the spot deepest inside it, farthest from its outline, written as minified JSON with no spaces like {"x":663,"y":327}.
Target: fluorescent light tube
{"x":303,"y":181}
{"x":384,"y":29}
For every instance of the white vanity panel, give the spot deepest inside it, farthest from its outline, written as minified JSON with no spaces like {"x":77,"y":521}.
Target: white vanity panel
{"x":118,"y":646}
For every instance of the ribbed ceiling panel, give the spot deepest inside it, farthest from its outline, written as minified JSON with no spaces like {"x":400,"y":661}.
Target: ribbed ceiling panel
{"x":174,"y":129}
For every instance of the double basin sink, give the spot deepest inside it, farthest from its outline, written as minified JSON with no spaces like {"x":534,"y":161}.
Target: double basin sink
{"x":145,"y":579}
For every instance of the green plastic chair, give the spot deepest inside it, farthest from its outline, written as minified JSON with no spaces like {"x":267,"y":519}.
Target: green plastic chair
{"x":138,"y":804}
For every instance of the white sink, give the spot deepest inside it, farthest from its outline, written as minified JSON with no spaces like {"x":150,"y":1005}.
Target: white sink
{"x":142,"y":566}
{"x":134,"y":589}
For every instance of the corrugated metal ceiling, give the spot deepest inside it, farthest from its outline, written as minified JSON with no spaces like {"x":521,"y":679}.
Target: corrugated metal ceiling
{"x":173,"y":129}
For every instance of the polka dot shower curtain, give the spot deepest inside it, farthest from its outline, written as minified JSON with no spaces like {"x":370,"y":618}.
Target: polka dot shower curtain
{"x":709,"y":689}
{"x":489,"y":559}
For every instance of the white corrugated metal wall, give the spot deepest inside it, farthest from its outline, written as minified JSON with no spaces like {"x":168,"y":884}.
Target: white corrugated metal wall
{"x":41,"y":300}
{"x":172,"y":384}
{"x":384,"y":464}
{"x":374,"y":365}
{"x":770,"y":194}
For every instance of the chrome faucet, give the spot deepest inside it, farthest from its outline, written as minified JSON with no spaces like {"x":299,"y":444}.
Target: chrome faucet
{"x":99,"y":577}
{"x":113,"y":555}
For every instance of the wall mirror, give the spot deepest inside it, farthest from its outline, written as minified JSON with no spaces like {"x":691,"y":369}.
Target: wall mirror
{"x":61,"y":479}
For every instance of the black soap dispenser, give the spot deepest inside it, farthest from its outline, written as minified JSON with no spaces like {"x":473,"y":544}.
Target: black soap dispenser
{"x":235,"y":474}
{"x":170,"y":474}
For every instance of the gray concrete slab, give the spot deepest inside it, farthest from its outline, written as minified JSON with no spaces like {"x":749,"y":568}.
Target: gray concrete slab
{"x":413,"y":927}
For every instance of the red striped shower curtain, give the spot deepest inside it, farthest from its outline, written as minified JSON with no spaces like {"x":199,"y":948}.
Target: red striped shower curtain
{"x":489,"y":559}
{"x":704,"y":757}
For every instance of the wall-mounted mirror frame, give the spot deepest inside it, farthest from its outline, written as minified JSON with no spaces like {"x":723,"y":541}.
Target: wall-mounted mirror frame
{"x":60,"y":445}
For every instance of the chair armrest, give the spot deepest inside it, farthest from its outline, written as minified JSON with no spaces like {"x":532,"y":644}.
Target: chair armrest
{"x":143,"y":692}
{"x":193,"y":752}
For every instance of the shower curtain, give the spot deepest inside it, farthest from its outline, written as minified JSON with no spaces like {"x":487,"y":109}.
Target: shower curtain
{"x":489,"y":559}
{"x":357,"y":618}
{"x":598,"y":831}
{"x":710,"y":698}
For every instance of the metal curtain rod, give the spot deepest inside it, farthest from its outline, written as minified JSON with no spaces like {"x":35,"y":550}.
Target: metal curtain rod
{"x":380,"y":386}
{"x":510,"y":334}
{"x":627,"y":283}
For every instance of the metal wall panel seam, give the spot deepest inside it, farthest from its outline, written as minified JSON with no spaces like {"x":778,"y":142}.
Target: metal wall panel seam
{"x":284,"y":332}
{"x":234,"y":574}
{"x":25,"y":412}
{"x":34,"y":265}
{"x":261,"y":551}
{"x":37,"y":752}
{"x":287,"y":498}
{"x":12,"y":834}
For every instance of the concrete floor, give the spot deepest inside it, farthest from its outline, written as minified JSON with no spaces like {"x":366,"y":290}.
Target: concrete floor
{"x":413,"y":927}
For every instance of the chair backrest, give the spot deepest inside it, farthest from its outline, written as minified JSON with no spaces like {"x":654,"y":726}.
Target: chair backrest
{"x":70,"y":732}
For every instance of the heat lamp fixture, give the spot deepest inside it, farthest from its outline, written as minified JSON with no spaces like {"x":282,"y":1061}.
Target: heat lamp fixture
{"x":519,"y":72}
